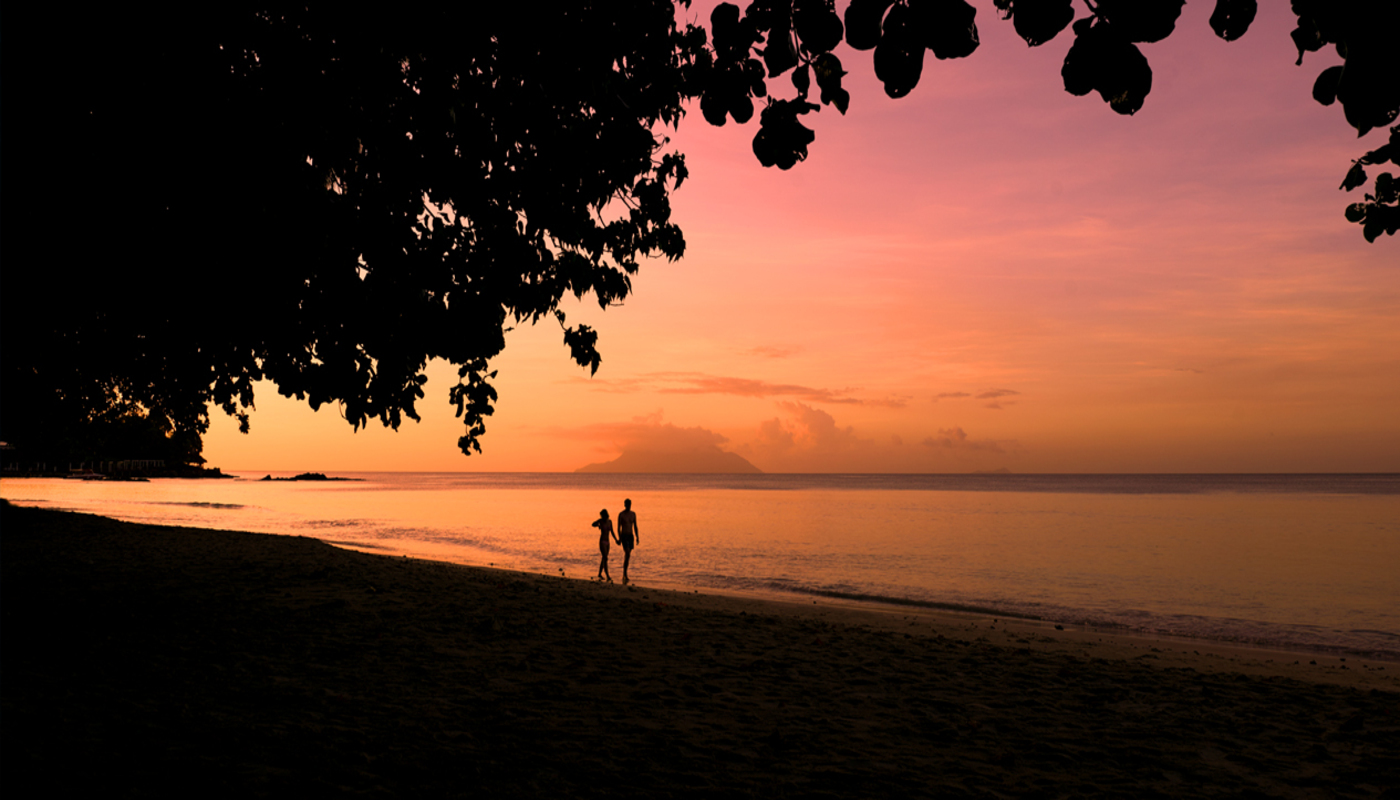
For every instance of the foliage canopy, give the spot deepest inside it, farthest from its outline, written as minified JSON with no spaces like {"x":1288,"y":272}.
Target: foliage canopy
{"x":328,"y":198}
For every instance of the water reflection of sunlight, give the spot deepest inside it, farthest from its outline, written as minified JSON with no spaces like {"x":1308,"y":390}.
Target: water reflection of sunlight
{"x":1202,"y":561}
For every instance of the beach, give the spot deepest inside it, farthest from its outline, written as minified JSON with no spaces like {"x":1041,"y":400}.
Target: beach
{"x":141,"y":660}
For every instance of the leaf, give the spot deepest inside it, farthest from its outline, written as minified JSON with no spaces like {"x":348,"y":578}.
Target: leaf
{"x":1386,"y":188}
{"x":837,"y":97}
{"x":1380,"y":155}
{"x":817,"y":25}
{"x":583,"y":347}
{"x":673,"y":164}
{"x":730,"y":40}
{"x":779,"y":56}
{"x":802,"y":80}
{"x":828,"y":71}
{"x":770,"y":15}
{"x":1101,"y":59}
{"x":741,"y":108}
{"x":727,"y":93}
{"x":829,"y":75}
{"x":899,"y":58}
{"x":863,"y":19}
{"x":1081,"y":62}
{"x":1373,"y":227}
{"x":781,"y":140}
{"x":1325,"y":87}
{"x":753,"y":71}
{"x":1307,"y":37}
{"x":1231,"y":18}
{"x":713,"y":108}
{"x":1356,"y":212}
{"x":1391,"y":217}
{"x":1356,"y":176}
{"x":1368,"y":88}
{"x":947,"y":27}
{"x":1038,"y":21}
{"x":1141,"y":20}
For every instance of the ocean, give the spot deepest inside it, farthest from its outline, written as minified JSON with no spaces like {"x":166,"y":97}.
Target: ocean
{"x":1286,"y":561}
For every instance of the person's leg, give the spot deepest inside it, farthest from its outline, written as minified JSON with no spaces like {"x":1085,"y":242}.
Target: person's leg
{"x":626,"y":559}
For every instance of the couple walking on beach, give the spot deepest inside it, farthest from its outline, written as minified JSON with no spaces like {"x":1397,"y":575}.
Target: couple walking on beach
{"x":626,"y":535}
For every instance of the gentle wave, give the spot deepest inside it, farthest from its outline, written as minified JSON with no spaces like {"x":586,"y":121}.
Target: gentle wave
{"x":357,"y":545}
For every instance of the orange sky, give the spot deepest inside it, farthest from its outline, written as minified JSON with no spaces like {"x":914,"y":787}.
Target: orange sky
{"x":989,"y":273}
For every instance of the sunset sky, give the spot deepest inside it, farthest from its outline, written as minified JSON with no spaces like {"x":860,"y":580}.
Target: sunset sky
{"x":987,"y":274}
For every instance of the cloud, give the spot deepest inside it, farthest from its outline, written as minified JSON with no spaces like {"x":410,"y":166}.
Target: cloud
{"x":646,"y":444}
{"x":993,"y":395}
{"x":654,"y":418}
{"x":646,"y":430}
{"x":700,"y":383}
{"x":957,"y":439}
{"x":610,"y":385}
{"x":820,"y":428}
{"x":748,"y":387}
{"x":807,"y":439}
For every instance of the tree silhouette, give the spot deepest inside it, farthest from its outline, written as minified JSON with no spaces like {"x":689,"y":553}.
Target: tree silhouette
{"x":800,"y":35}
{"x":328,"y":198}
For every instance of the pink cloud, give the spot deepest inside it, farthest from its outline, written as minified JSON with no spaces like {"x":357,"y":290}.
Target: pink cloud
{"x":700,"y":383}
{"x":646,"y":444}
{"x":807,"y":439}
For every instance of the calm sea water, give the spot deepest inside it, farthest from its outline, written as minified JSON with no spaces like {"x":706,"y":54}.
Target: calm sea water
{"x":1292,"y":561}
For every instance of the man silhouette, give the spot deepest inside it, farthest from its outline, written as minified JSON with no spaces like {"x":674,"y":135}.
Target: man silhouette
{"x":627,"y":534}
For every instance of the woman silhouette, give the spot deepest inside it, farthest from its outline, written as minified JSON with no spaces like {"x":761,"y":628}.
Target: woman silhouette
{"x":605,"y":532}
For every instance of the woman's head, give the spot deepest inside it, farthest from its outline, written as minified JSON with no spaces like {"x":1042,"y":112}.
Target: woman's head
{"x":603,"y":513}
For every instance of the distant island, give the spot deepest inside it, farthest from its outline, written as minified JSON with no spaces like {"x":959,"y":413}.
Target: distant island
{"x":307,"y":476}
{"x":690,"y":461}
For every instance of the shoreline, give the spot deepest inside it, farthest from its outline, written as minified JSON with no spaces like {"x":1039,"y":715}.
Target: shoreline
{"x":1340,"y":667}
{"x":1332,"y":665}
{"x":1250,"y":608}
{"x":156,"y":657}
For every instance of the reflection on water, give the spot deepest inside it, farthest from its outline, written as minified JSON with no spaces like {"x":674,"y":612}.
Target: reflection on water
{"x":1299,"y":560}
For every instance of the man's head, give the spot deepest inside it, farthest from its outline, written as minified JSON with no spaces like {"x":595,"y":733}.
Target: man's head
{"x":627,"y":504}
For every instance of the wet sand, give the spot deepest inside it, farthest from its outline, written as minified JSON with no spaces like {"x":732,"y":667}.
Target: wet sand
{"x":140,"y":660}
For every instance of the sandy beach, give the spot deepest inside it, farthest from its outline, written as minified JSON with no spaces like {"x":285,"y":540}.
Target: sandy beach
{"x":141,"y":660}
